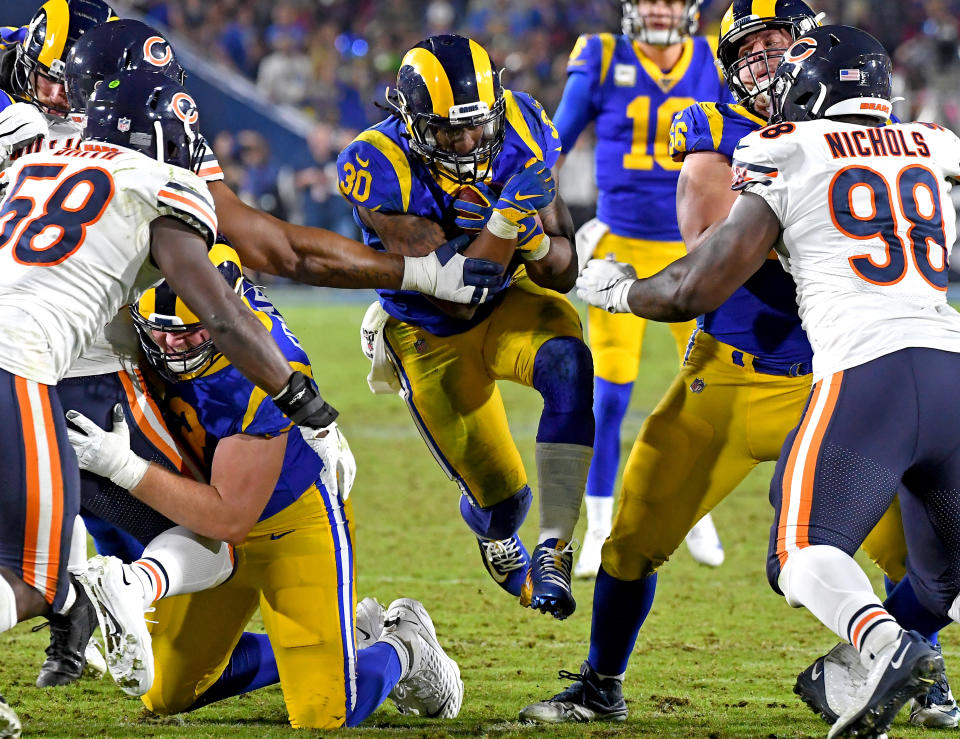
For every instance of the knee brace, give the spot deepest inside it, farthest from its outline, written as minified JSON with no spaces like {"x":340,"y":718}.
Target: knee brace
{"x":563,"y":375}
{"x":501,"y":520}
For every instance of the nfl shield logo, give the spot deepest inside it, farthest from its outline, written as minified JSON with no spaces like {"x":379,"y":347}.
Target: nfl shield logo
{"x":697,"y":386}
{"x":123,"y":125}
{"x":420,"y":345}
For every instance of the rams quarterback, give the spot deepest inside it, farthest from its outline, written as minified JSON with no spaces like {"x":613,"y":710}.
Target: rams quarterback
{"x":460,"y":152}
{"x":742,"y":388}
{"x":632,"y":85}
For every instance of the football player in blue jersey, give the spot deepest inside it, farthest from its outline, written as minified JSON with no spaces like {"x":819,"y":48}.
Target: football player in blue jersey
{"x":632,"y":85}
{"x":458,"y":153}
{"x":742,"y":388}
{"x":270,"y":495}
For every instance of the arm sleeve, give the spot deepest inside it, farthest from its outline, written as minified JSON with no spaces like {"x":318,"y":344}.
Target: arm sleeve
{"x":694,"y":129}
{"x":575,"y":110}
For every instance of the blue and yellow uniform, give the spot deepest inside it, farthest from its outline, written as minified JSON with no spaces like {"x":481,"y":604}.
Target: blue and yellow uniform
{"x":633,"y":102}
{"x":448,"y":366}
{"x":10,"y":38}
{"x":742,"y":388}
{"x":296,"y":564}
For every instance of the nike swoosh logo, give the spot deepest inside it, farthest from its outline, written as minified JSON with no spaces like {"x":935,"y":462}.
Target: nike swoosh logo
{"x":525,"y":197}
{"x":897,"y":661}
{"x":274,"y":537}
{"x":362,"y":162}
{"x":817,"y":671}
{"x":363,"y":632}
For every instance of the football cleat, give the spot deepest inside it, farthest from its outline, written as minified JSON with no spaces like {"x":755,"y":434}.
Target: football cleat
{"x":589,"y":698}
{"x":369,"y":622}
{"x":829,"y":685}
{"x":588,"y":563}
{"x":704,"y":542}
{"x":119,"y":606}
{"x":904,"y":669}
{"x":937,"y":709}
{"x":96,"y":664}
{"x":9,"y":723}
{"x":506,"y":560}
{"x":69,"y":637}
{"x":547,"y":585}
{"x":431,"y":685}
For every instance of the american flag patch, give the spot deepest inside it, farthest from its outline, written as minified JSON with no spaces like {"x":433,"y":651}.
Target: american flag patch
{"x":849,"y":75}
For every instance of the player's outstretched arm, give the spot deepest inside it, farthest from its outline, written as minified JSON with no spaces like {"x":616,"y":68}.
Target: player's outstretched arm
{"x":704,"y":197}
{"x":695,"y":284}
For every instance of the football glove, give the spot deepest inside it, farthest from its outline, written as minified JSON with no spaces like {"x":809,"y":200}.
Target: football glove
{"x":106,"y":453}
{"x":470,"y":216}
{"x":605,"y":283}
{"x":448,"y":275}
{"x":532,"y":242}
{"x":529,"y":190}
{"x":20,"y":125}
{"x":339,"y":466}
{"x":301,"y":403}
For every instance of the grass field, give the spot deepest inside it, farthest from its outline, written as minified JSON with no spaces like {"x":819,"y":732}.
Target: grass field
{"x":716,"y":658}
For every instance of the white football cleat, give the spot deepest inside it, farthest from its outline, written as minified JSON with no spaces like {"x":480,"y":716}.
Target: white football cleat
{"x":588,"y":563}
{"x":119,"y":604}
{"x":704,"y":542}
{"x":829,"y":686}
{"x":431,"y":685}
{"x":96,"y":666}
{"x":9,"y":723}
{"x":369,"y":622}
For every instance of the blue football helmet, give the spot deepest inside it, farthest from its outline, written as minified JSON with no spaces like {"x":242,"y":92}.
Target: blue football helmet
{"x":147,"y":112}
{"x":51,"y":34}
{"x":115,"y":47}
{"x":832,"y":71}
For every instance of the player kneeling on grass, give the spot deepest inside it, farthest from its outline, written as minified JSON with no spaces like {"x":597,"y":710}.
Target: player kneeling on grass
{"x":272,"y":496}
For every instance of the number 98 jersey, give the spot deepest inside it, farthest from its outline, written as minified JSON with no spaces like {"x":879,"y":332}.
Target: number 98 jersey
{"x":75,"y":247}
{"x":868,"y":225}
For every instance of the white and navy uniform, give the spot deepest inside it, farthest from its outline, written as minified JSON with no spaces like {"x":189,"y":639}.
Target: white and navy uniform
{"x":74,"y":248}
{"x":867,"y":227}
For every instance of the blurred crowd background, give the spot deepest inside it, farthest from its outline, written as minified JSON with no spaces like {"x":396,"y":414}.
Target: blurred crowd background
{"x":332,"y":59}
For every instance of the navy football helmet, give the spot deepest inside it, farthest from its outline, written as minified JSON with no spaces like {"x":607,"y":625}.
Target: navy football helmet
{"x":447,"y":83}
{"x":833,"y":71}
{"x":147,"y":112}
{"x":745,"y":17}
{"x":634,"y":24}
{"x":51,"y":34}
{"x":112,"y":48}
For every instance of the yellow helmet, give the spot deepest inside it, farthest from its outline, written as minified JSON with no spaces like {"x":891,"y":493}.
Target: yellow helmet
{"x":161,"y":309}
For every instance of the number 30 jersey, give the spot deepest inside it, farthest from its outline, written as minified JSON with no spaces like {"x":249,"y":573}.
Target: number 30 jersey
{"x":867,"y":228}
{"x":75,"y":247}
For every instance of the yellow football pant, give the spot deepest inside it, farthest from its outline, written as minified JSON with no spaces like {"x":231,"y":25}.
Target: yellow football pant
{"x":717,"y":421}
{"x":297,"y":567}
{"x":616,"y":339}
{"x":451,"y":391}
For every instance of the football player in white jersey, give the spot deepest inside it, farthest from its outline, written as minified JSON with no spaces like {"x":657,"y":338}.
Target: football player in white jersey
{"x":861,"y":218}
{"x":84,"y":231}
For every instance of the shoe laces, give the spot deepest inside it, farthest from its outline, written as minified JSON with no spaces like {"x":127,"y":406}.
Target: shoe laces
{"x":505,"y":555}
{"x":554,"y":564}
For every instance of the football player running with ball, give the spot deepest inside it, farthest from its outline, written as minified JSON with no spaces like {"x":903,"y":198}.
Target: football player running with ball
{"x":452,"y":126}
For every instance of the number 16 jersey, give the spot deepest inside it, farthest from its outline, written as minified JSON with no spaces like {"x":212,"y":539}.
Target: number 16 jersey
{"x":75,"y":247}
{"x":867,"y":227}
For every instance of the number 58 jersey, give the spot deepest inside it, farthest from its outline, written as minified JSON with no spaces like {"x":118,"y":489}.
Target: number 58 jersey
{"x":75,"y":247}
{"x":868,"y":224}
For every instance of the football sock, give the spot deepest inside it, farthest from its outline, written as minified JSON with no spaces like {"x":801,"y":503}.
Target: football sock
{"x":610,"y":401}
{"x":828,"y":582}
{"x":8,"y":606}
{"x":499,"y":521}
{"x":902,"y":603}
{"x":78,"y":547}
{"x":563,"y":375}
{"x":378,"y":671}
{"x":619,"y":609}
{"x":179,"y":561}
{"x":599,"y":511}
{"x":562,"y":471}
{"x":251,"y":666}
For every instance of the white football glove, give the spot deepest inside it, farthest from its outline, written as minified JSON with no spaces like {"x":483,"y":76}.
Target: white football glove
{"x":20,"y":125}
{"x":339,"y":466}
{"x":448,"y":275}
{"x":586,"y":240}
{"x":605,"y":283}
{"x":106,"y":453}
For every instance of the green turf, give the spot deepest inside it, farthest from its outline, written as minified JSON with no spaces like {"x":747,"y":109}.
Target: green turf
{"x":716,"y":658}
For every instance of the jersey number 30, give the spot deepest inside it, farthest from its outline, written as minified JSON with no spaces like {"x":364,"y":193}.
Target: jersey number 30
{"x":60,"y":228}
{"x":917,"y":207}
